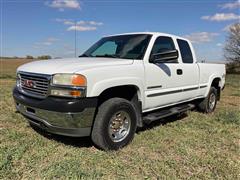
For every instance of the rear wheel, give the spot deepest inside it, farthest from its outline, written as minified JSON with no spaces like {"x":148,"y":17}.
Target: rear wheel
{"x":208,"y":105}
{"x":115,"y":124}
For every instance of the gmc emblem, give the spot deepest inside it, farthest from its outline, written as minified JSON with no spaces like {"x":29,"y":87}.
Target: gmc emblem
{"x":28,"y":83}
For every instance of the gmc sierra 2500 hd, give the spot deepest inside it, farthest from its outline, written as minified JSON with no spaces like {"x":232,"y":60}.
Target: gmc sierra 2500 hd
{"x":120,"y":83}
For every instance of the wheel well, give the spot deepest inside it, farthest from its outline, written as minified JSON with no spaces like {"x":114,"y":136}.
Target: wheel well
{"x":129,"y":92}
{"x":215,"y":83}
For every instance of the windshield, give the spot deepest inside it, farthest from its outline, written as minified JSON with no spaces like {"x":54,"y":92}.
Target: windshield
{"x":123,"y":46}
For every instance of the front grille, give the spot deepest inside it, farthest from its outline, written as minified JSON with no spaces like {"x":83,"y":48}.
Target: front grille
{"x":34,"y":84}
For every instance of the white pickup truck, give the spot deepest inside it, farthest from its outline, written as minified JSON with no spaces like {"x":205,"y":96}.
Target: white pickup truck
{"x":120,"y":83}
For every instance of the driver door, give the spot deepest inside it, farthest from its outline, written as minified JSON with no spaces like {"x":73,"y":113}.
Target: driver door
{"x":162,"y":80}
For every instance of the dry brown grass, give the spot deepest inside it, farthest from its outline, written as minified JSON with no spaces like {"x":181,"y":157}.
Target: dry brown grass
{"x":8,"y":67}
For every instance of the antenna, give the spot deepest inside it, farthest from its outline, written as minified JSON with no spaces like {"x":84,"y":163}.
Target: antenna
{"x":75,"y":38}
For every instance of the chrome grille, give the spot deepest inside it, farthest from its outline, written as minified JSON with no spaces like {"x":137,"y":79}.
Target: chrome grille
{"x":34,"y":84}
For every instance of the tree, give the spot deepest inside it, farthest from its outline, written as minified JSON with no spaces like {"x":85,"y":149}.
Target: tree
{"x":232,"y":46}
{"x":29,"y":57}
{"x":44,"y":57}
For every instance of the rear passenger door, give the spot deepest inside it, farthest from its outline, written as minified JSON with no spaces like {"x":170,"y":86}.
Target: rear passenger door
{"x":189,"y":76}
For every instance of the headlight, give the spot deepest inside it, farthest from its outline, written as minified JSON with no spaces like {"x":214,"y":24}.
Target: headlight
{"x":68,"y":85}
{"x":69,"y":80}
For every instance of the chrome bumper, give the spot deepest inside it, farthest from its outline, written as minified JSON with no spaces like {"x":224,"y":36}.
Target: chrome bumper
{"x":69,"y":124}
{"x":58,"y":116}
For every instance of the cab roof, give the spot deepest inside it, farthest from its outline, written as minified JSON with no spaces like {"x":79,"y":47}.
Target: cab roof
{"x":150,"y":33}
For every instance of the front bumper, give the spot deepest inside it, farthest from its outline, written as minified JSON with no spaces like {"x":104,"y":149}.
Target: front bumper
{"x":64,"y":116}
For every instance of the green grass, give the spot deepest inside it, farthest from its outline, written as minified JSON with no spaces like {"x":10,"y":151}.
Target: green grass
{"x":197,"y":146}
{"x":233,"y":84}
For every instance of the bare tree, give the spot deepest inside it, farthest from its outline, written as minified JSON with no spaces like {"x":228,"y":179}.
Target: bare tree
{"x":232,"y":46}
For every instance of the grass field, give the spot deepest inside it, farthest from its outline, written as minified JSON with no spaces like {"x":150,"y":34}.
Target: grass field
{"x":192,"y":146}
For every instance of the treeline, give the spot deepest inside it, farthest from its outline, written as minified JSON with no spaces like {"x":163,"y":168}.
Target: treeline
{"x":29,"y":57}
{"x":233,"y":68}
{"x":39,"y":57}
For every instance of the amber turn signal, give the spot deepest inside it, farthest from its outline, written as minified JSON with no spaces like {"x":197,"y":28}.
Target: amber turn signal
{"x":79,"y":80}
{"x":75,"y":93}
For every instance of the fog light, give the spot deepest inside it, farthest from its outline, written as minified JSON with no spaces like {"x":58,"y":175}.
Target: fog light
{"x":75,"y":93}
{"x":66,"y":93}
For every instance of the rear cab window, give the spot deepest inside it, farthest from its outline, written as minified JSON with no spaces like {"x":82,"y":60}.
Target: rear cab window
{"x":185,"y":51}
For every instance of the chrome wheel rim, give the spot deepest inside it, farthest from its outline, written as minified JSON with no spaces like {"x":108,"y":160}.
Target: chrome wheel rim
{"x":119,"y":126}
{"x":212,"y":101}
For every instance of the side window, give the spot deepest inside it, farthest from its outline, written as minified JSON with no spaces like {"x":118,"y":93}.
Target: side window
{"x":162,"y":44}
{"x":185,"y":50}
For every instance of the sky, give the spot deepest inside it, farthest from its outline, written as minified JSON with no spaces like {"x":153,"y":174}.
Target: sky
{"x":39,"y":27}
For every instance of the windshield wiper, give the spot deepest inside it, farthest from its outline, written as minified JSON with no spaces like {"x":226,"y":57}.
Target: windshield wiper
{"x":108,"y":55}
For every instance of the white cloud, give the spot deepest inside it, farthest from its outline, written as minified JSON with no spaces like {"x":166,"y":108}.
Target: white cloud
{"x":82,"y":28}
{"x":80,"y":25}
{"x":68,"y":23}
{"x":222,"y":17}
{"x":48,"y":42}
{"x":81,"y":22}
{"x":232,"y":5}
{"x":219,"y":44}
{"x":94,"y":23}
{"x":72,"y":22}
{"x":65,"y":21}
{"x":64,"y":4}
{"x":201,"y":37}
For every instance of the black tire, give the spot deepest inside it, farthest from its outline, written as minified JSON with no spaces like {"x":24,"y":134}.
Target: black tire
{"x":100,"y":132}
{"x":204,"y":106}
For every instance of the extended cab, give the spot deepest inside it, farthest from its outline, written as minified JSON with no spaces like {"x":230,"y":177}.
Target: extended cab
{"x":120,"y":83}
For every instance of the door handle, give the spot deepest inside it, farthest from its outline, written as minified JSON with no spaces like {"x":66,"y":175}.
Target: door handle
{"x":179,"y":72}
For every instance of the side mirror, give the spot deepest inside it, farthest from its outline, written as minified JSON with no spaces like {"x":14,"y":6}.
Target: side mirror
{"x":170,"y":56}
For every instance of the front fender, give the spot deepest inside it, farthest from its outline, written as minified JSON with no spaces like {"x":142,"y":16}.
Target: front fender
{"x":100,"y":86}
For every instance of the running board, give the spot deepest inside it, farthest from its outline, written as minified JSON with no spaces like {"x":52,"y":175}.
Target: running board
{"x":166,"y":112}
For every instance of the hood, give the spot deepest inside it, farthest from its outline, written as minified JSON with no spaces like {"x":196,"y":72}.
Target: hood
{"x":72,"y":65}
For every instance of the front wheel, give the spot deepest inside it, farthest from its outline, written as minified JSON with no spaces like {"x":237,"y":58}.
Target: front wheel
{"x":115,"y":124}
{"x":208,"y":105}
